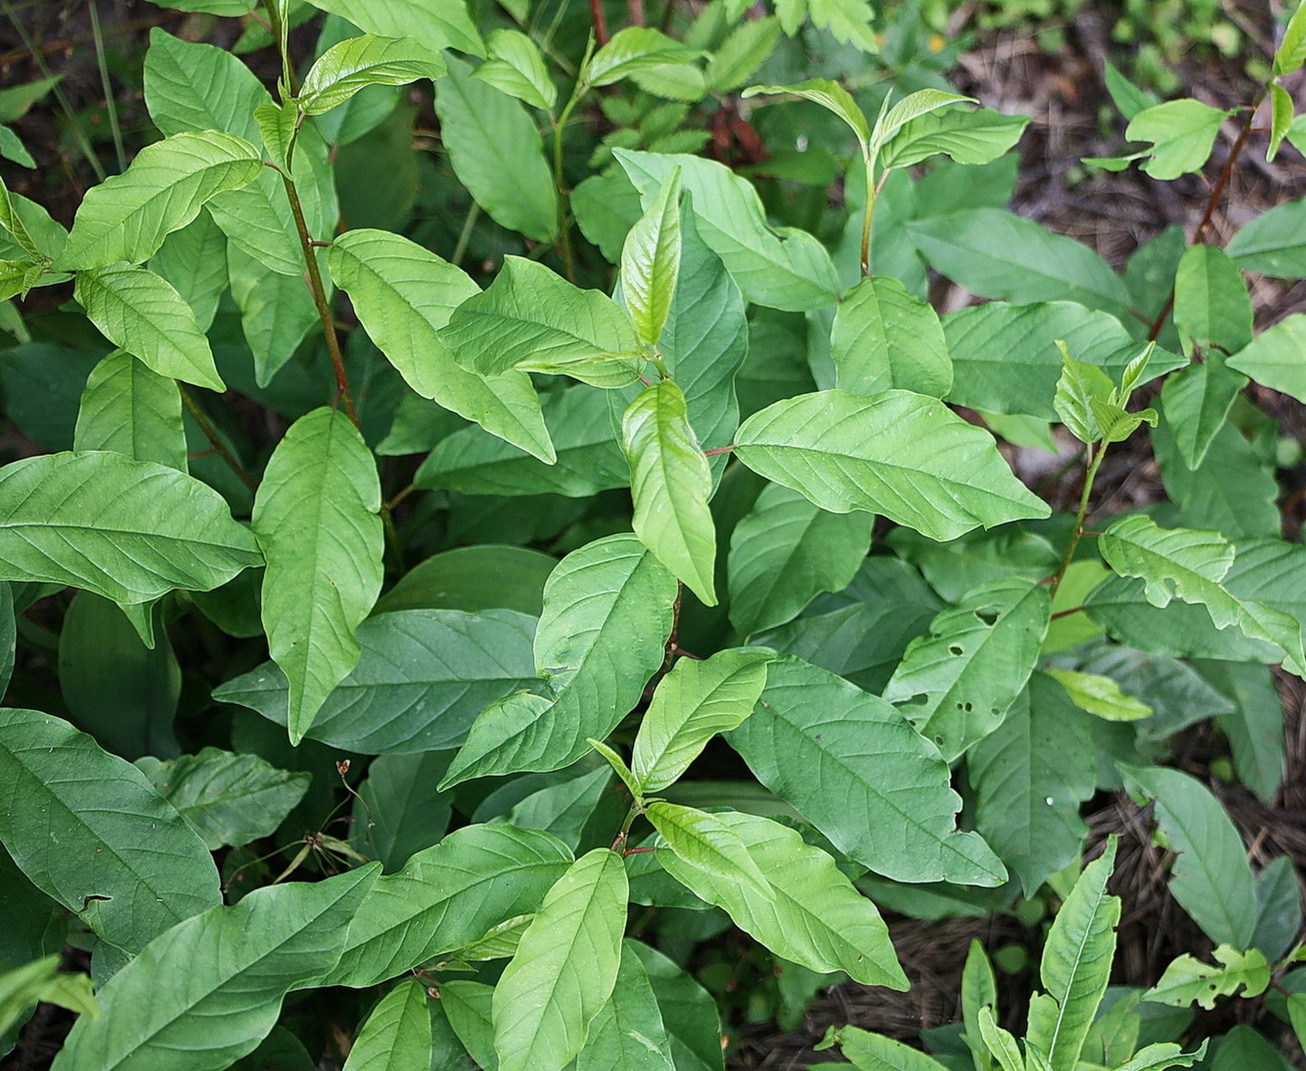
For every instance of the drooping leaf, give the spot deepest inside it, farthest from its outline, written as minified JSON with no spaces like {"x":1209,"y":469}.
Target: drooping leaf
{"x":628,"y":1034}
{"x":126,"y":863}
{"x":815,"y":917}
{"x":489,"y":576}
{"x":436,"y":24}
{"x":141,"y":313}
{"x":901,"y":454}
{"x":1187,"y":980}
{"x":404,"y":295}
{"x":1255,"y":724}
{"x":132,"y":411}
{"x":315,"y":516}
{"x":829,"y":95}
{"x":516,"y":67}
{"x":670,"y":483}
{"x":277,"y":312}
{"x":397,"y":1034}
{"x":565,"y":967}
{"x":128,"y":530}
{"x":691,"y":704}
{"x":650,"y":262}
{"x":238,"y":963}
{"x":357,"y":62}
{"x":876,"y":773}
{"x":607,"y":613}
{"x":1273,"y":358}
{"x":1173,"y":562}
{"x":128,"y":216}
{"x":956,"y":684}
{"x":883,"y":338}
{"x":467,"y":1006}
{"x":41,"y":980}
{"x":228,"y":799}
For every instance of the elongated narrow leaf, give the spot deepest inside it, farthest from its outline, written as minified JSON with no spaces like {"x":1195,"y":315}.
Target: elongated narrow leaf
{"x":132,"y":411}
{"x":128,"y":216}
{"x":1273,"y":358}
{"x":496,"y":152}
{"x":357,"y":62}
{"x":884,"y":338}
{"x":227,"y":799}
{"x":650,"y":262}
{"x":516,"y":66}
{"x":397,"y":1035}
{"x":126,"y":863}
{"x":238,"y":963}
{"x":141,"y":313}
{"x":706,"y":843}
{"x":1211,"y":878}
{"x":128,"y":530}
{"x":883,"y":794}
{"x":670,"y":482}
{"x":901,"y":454}
{"x":956,"y":684}
{"x":628,"y":1034}
{"x":691,"y":704}
{"x":815,"y":917}
{"x":1076,"y":965}
{"x":1100,"y":695}
{"x":315,"y":516}
{"x":404,"y":295}
{"x":565,"y":967}
{"x":1187,"y":980}
{"x":447,"y":897}
{"x":607,"y":613}
{"x":979,"y":990}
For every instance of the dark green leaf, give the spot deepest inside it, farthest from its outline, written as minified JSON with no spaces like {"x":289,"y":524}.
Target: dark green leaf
{"x":689,"y":1012}
{"x":473,"y":578}
{"x":628,"y":1033}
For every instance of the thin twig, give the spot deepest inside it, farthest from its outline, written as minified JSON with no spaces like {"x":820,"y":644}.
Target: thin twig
{"x":111,"y":106}
{"x":211,"y":433}
{"x":600,"y":23}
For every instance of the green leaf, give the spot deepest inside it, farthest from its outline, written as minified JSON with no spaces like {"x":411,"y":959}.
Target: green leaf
{"x":1079,"y":385}
{"x":516,"y":67}
{"x":277,"y":311}
{"x":138,"y":311}
{"x":227,"y":799}
{"x":883,"y":338}
{"x":972,"y":136}
{"x":996,"y":254}
{"x":691,"y":704}
{"x":633,"y":50}
{"x":496,"y":152}
{"x":194,"y":262}
{"x":706,"y":843}
{"x":436,"y":24}
{"x":1210,"y":879}
{"x":1100,"y":696}
{"x":1182,"y":133}
{"x":315,"y":516}
{"x":788,"y":270}
{"x":1076,"y":965}
{"x":25,"y":986}
{"x":898,"y":453}
{"x":12,"y":148}
{"x":746,"y":48}
{"x":1291,"y":53}
{"x":473,"y":578}
{"x":404,"y":295}
{"x":128,"y":530}
{"x":814,"y":916}
{"x":357,"y":62}
{"x":565,"y":967}
{"x":670,"y":483}
{"x":127,"y":864}
{"x":979,"y":989}
{"x":1197,"y":402}
{"x":607,"y":613}
{"x":957,"y":684}
{"x":688,"y":1011}
{"x":532,"y":318}
{"x":1000,"y":1042}
{"x":447,"y":897}
{"x":1162,"y":1055}
{"x":132,"y":411}
{"x":1254,"y":726}
{"x":1030,"y":776}
{"x":1212,"y":308}
{"x":198,"y":87}
{"x":128,"y":216}
{"x":467,"y":1005}
{"x":785,"y":551}
{"x":829,"y":95}
{"x":278,"y":126}
{"x":397,"y":1035}
{"x":650,"y":262}
{"x":1273,"y":358}
{"x":874,"y":1052}
{"x":628,"y":1034}
{"x":1187,"y":980}
{"x":400,"y":807}
{"x":238,"y":963}
{"x":1128,"y":98}
{"x":1272,"y":243}
{"x":876,"y":772}
{"x":1178,"y":562}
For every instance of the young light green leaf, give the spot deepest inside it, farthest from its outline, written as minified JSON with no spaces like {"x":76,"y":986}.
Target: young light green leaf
{"x":650,"y":262}
{"x":957,"y":684}
{"x":565,"y":967}
{"x":913,"y":106}
{"x":531,"y":316}
{"x":1291,"y":53}
{"x":1182,"y":133}
{"x":874,"y":1052}
{"x":1100,"y":696}
{"x":496,"y":152}
{"x":877,"y":773}
{"x":607,"y":613}
{"x":1273,"y":358}
{"x":979,"y":989}
{"x":618,"y":765}
{"x":404,"y":295}
{"x":1162,"y":1055}
{"x":628,"y":1034}
{"x":228,"y":799}
{"x":815,"y":917}
{"x":133,"y":411}
{"x":971,"y":136}
{"x":704,"y":842}
{"x":1187,"y":980}
{"x":1117,"y":424}
{"x":898,"y":453}
{"x":435,"y":24}
{"x":127,"y":865}
{"x":516,"y":67}
{"x":466,"y":1004}
{"x":315,"y":516}
{"x":128,"y":216}
{"x":41,"y":980}
{"x":1076,"y":965}
{"x":691,"y":704}
{"x":829,"y":95}
{"x":883,"y":338}
{"x":1079,"y":384}
{"x":238,"y":963}
{"x":670,"y":482}
{"x":350,"y":65}
{"x":397,"y":1034}
{"x":128,"y":530}
{"x":999,"y":1042}
{"x":1211,"y":878}
{"x":141,"y":313}
{"x":633,"y":50}
{"x":278,"y":124}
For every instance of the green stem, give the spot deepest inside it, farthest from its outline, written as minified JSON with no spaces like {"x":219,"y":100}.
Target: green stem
{"x":1095,"y":462}
{"x":619,"y":843}
{"x":465,"y":235}
{"x":215,"y":440}
{"x":106,"y":86}
{"x":564,"y":228}
{"x":872,"y":194}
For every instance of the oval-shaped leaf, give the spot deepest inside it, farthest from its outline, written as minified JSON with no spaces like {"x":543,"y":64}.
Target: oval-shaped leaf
{"x":703,"y":841}
{"x":516,"y":67}
{"x":350,"y":65}
{"x":437,"y":24}
{"x":397,"y":1035}
{"x":132,"y":411}
{"x":884,"y":338}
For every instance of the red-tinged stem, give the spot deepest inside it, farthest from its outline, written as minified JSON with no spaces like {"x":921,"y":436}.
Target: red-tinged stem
{"x":600,"y":23}
{"x":211,"y":433}
{"x":719,"y":450}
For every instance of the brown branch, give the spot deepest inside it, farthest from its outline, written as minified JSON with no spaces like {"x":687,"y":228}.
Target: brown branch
{"x":600,"y":23}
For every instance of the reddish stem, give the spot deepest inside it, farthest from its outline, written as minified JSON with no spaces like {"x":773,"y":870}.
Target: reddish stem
{"x":600,"y":23}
